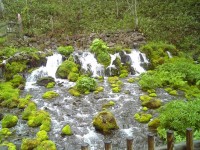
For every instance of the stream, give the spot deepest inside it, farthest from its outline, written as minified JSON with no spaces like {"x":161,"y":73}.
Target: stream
{"x":78,"y":112}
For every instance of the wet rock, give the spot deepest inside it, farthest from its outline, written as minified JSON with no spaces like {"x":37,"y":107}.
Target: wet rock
{"x":1,"y":116}
{"x":3,"y":147}
{"x":152,"y":104}
{"x":105,"y":122}
{"x":126,"y":59}
{"x":44,"y":81}
{"x":111,"y":71}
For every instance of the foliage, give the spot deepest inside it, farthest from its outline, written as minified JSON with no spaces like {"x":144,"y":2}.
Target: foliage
{"x":86,"y":84}
{"x":65,"y":68}
{"x":9,"y":121}
{"x":50,"y":95}
{"x":185,"y":114}
{"x":8,"y":95}
{"x":65,"y":50}
{"x":100,"y":49}
{"x":178,"y":73}
{"x":157,"y":53}
{"x":142,"y":117}
{"x":66,"y":130}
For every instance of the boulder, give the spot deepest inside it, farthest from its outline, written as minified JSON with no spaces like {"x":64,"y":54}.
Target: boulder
{"x":126,"y":59}
{"x":105,"y":122}
{"x":45,"y":80}
{"x":111,"y":71}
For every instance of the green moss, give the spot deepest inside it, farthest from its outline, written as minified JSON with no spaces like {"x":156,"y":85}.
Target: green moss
{"x":46,"y":145}
{"x":151,"y":91}
{"x":173,"y":92}
{"x":17,"y":81}
{"x":144,"y":108}
{"x":74,"y":92}
{"x":46,"y":125}
{"x":9,"y":121}
{"x":65,"y":68}
{"x":73,"y":76}
{"x":23,"y":102}
{"x":104,"y":58}
{"x":28,"y":110}
{"x":50,"y":95}
{"x":99,"y":89}
{"x":8,"y":95}
{"x":5,"y":132}
{"x":116,"y":89}
{"x":85,"y":84}
{"x":105,"y":122}
{"x":152,"y":104}
{"x":109,"y":104}
{"x":113,"y":80}
{"x":153,"y":95}
{"x":66,"y":130}
{"x":142,"y":117}
{"x":42,"y":135}
{"x":131,"y":80}
{"x":154,"y":123}
{"x":145,"y":98}
{"x":10,"y":146}
{"x":36,"y":118}
{"x":65,"y":50}
{"x":29,"y":144}
{"x":50,"y":85}
{"x":123,"y":73}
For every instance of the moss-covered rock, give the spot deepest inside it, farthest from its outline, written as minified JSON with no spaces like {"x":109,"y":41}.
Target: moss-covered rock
{"x":105,"y":122}
{"x":116,"y":89}
{"x":18,"y":81}
{"x":46,"y":124}
{"x":46,"y":145}
{"x":66,"y":130}
{"x":99,"y":89}
{"x":131,"y":80}
{"x":50,"y":95}
{"x":73,"y":76}
{"x":42,"y":135}
{"x":8,"y":145}
{"x":109,"y":104}
{"x":154,"y":123}
{"x":5,"y":132}
{"x":144,"y":108}
{"x":113,"y":80}
{"x":145,"y":98}
{"x":74,"y":92}
{"x":65,"y":68}
{"x":37,"y":117}
{"x":28,"y":110}
{"x":29,"y":144}
{"x":45,"y":81}
{"x":23,"y":102}
{"x":153,"y":95}
{"x":142,"y":117}
{"x":9,"y":121}
{"x":65,"y":50}
{"x":50,"y":85}
{"x":152,"y":104}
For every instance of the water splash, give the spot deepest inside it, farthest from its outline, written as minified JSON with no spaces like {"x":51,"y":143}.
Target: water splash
{"x":169,"y":54}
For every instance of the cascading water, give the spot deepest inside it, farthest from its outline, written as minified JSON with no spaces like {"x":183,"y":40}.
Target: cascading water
{"x":137,"y":58}
{"x":79,"y":112}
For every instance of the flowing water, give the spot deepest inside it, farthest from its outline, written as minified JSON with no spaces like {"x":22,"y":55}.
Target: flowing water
{"x":79,"y":112}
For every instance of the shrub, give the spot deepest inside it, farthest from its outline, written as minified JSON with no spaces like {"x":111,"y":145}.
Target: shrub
{"x":86,"y":84}
{"x":65,"y":50}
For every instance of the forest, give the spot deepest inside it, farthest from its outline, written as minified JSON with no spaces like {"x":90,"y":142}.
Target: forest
{"x":85,"y":71}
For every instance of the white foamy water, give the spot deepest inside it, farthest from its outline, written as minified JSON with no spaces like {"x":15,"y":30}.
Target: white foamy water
{"x":169,"y":54}
{"x":136,"y":61}
{"x":89,"y":63}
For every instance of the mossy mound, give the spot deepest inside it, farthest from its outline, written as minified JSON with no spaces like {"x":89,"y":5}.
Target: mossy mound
{"x":18,"y":81}
{"x":65,"y":50}
{"x":66,"y":130}
{"x":154,"y":123}
{"x":73,"y":91}
{"x":8,"y":146}
{"x":131,"y":80}
{"x":29,"y":144}
{"x":23,"y":102}
{"x":42,"y":135}
{"x":65,"y":68}
{"x":145,"y":98}
{"x":142,"y":117}
{"x":50,"y":85}
{"x":46,"y":145}
{"x":28,"y":110}
{"x":105,"y":122}
{"x":153,"y":95}
{"x":5,"y":132}
{"x":115,"y":84}
{"x":50,"y":95}
{"x":45,"y":81}
{"x":9,"y":121}
{"x":109,"y":104}
{"x":152,"y":104}
{"x":99,"y":89}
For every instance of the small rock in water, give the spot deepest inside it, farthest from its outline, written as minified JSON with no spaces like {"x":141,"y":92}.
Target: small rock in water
{"x":1,"y":116}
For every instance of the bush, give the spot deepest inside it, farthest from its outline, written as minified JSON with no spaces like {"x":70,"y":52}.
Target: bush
{"x":86,"y":84}
{"x":65,"y":50}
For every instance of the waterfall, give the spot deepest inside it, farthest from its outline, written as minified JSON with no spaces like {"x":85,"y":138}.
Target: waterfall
{"x":169,"y":54}
{"x":89,"y":63}
{"x":49,"y":70}
{"x":137,"y":59}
